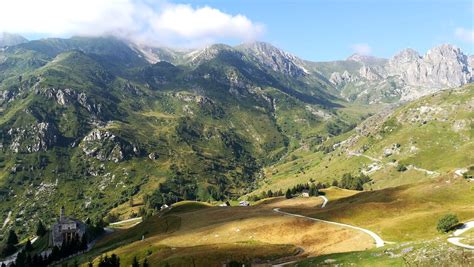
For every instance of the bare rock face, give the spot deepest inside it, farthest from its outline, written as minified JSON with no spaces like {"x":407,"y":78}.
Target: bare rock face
{"x":369,"y":73}
{"x":443,"y":66}
{"x":105,"y":146}
{"x":275,"y":59}
{"x":406,"y":76}
{"x":403,"y":60}
{"x":37,"y":137}
{"x":68,"y":96}
{"x":344,"y":78}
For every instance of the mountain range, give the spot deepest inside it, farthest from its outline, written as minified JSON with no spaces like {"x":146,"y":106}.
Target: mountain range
{"x":90,"y":123}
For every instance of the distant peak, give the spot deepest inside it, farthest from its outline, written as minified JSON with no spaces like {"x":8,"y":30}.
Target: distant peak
{"x":407,"y":54}
{"x":9,"y":39}
{"x":361,"y":58}
{"x":268,"y":49}
{"x":445,"y":50}
{"x":261,"y":47}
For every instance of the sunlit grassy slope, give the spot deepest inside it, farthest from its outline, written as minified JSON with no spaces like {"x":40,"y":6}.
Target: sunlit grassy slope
{"x":433,"y":134}
{"x":211,"y":236}
{"x":404,"y":213}
{"x":405,"y":216}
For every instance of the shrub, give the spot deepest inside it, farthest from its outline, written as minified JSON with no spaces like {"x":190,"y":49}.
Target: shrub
{"x":401,"y":168}
{"x":41,"y":229}
{"x":447,"y":222}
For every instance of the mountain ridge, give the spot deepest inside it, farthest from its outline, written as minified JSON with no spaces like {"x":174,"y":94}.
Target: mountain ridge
{"x":90,"y":123}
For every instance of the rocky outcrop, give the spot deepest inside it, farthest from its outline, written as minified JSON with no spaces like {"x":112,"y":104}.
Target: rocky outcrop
{"x":342,"y":79}
{"x":406,"y":76}
{"x":441,"y":67}
{"x":37,"y":137}
{"x":275,"y":59}
{"x":105,"y":146}
{"x":6,"y":96}
{"x":69,"y":96}
{"x":403,"y":60}
{"x":369,"y":73}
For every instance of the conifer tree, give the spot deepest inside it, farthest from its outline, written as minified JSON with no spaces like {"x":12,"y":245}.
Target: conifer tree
{"x":288,"y":194}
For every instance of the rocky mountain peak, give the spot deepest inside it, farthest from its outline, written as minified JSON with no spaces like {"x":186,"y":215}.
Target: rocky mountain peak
{"x":441,"y":67}
{"x":446,"y":52}
{"x":406,"y":76}
{"x":9,"y":39}
{"x":274,"y":58}
{"x":365,"y":59}
{"x":406,"y":55}
{"x":207,"y":53}
{"x":359,"y":57}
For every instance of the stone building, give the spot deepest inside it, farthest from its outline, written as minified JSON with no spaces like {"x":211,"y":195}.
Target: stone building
{"x":65,"y":229}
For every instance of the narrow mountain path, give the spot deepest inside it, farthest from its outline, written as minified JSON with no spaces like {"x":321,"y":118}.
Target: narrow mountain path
{"x":456,"y":240}
{"x":424,"y":170}
{"x":7,"y":220}
{"x":428,"y":172}
{"x":352,"y":153}
{"x":378,"y":240}
{"x":326,"y":200}
{"x":137,"y":220}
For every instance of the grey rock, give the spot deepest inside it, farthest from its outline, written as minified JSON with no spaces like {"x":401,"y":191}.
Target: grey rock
{"x":406,"y":76}
{"x":275,"y":59}
{"x":36,"y":137}
{"x":369,"y":73}
{"x":105,"y":146}
{"x":442,"y":66}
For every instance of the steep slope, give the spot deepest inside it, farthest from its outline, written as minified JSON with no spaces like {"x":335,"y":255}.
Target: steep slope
{"x":420,"y":141}
{"x":89,"y":123}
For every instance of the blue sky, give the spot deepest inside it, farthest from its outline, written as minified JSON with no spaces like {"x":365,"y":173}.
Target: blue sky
{"x":328,"y":30}
{"x":317,"y":30}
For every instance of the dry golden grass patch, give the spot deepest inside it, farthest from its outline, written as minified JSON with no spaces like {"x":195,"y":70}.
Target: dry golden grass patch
{"x":219,"y":234}
{"x":334,"y":193}
{"x":267,"y":227}
{"x":403,"y":213}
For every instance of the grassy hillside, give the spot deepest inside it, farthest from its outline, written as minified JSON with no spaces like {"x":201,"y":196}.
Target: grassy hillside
{"x":404,"y":213}
{"x":418,"y":136}
{"x":405,"y":217}
{"x":89,"y":124}
{"x":243,"y":234}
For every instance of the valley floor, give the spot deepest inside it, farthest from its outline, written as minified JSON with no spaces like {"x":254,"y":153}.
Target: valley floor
{"x":198,"y":234}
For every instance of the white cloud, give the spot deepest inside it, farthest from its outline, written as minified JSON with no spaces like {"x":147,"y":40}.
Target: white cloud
{"x":362,"y":49}
{"x":153,"y":22}
{"x":465,"y":35}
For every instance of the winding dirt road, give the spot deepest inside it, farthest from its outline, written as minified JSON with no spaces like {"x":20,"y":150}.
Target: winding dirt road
{"x":325,"y":201}
{"x":456,"y":240}
{"x":378,"y":240}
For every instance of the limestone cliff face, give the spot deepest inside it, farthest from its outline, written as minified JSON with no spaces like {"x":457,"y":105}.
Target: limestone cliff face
{"x":105,"y":146}
{"x":442,"y":66}
{"x":369,"y":73}
{"x":275,"y":59}
{"x":406,"y":76}
{"x":37,"y":137}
